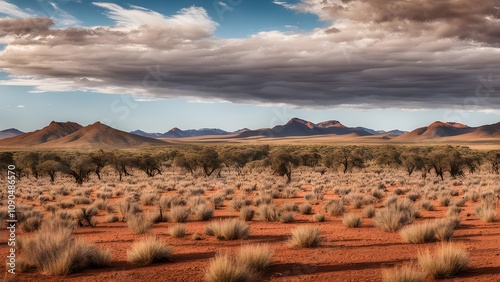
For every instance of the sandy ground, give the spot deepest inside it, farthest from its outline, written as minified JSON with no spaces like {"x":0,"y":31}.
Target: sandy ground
{"x":356,"y":254}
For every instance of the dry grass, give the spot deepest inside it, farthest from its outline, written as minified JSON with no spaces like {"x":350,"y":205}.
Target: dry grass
{"x":403,"y":274}
{"x":305,"y":237}
{"x":318,"y":217}
{"x":139,"y":224}
{"x":351,"y":220}
{"x":395,"y":215}
{"x":246,"y":213}
{"x":203,"y":212}
{"x":228,"y":229}
{"x":267,"y":212}
{"x":419,"y":233}
{"x":177,"y":231}
{"x":149,"y":250}
{"x":224,"y":268}
{"x":56,"y":252}
{"x":255,"y":257}
{"x":446,"y":261}
{"x":178,"y":214}
{"x":486,"y":212}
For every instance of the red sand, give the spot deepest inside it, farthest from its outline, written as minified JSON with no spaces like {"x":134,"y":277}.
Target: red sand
{"x":357,"y":254}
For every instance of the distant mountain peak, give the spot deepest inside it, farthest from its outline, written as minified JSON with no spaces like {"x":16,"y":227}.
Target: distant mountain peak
{"x":448,"y":124}
{"x":330,"y":123}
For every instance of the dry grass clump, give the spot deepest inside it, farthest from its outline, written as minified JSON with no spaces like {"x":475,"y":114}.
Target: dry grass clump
{"x":139,"y":224}
{"x":100,"y":204}
{"x":267,"y":212}
{"x":177,"y":231}
{"x":419,"y":233}
{"x":428,"y":231}
{"x":127,"y":208}
{"x":238,"y":203}
{"x":305,"y":237}
{"x":245,"y":266}
{"x":427,"y":205}
{"x":305,"y":208}
{"x":446,"y":261}
{"x":228,"y":229}
{"x":203,"y":212}
{"x":351,"y":220}
{"x":31,"y":224}
{"x":178,"y":214}
{"x":289,"y":206}
{"x":217,"y":200}
{"x":318,"y":217}
{"x":148,"y":199}
{"x":369,"y":211}
{"x":246,"y":213}
{"x":395,"y":215}
{"x":79,"y":200}
{"x":486,"y":211}
{"x":334,"y":207}
{"x":287,"y":217}
{"x":264,"y":199}
{"x":53,"y":250}
{"x":403,"y":274}
{"x":86,"y":216}
{"x":196,"y":236}
{"x":149,"y":250}
{"x":224,"y":268}
{"x":111,"y":218}
{"x":256,"y":257}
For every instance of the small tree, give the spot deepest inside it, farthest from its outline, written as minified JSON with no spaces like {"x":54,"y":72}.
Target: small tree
{"x":150,"y":164}
{"x":50,"y":167}
{"x":209,"y":161}
{"x":79,"y":167}
{"x":493,"y":158}
{"x":282,"y":164}
{"x":187,"y":161}
{"x":347,"y":157}
{"x":28,"y":162}
{"x":412,"y":161}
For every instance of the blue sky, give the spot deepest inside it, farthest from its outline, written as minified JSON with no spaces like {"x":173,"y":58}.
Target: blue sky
{"x":154,"y":65}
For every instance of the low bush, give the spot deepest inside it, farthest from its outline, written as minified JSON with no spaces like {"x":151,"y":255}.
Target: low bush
{"x":149,"y":250}
{"x":445,"y":262}
{"x":305,"y":237}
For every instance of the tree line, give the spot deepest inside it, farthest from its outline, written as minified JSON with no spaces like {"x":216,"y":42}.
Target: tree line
{"x":280,"y":160}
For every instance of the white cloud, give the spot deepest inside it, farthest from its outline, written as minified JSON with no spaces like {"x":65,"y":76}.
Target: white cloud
{"x":154,"y":56}
{"x":21,"y":106}
{"x":225,"y":5}
{"x":61,"y":17}
{"x":12,"y":10}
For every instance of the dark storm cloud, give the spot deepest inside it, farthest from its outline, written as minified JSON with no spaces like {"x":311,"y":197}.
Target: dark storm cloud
{"x":24,"y":26}
{"x":360,"y":64}
{"x":475,"y":20}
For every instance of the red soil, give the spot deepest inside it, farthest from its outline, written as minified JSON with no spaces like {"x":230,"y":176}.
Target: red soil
{"x":357,"y":254}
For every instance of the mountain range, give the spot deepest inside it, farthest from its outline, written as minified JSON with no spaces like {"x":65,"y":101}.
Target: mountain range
{"x":11,"y":132}
{"x":73,"y":135}
{"x":295,"y":127}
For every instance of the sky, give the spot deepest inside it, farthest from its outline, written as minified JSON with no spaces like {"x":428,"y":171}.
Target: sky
{"x":230,"y":64}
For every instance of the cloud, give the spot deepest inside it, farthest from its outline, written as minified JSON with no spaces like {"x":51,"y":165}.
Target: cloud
{"x":225,"y":6}
{"x":62,"y":17}
{"x":21,"y":106}
{"x":465,"y":19}
{"x":350,"y":63}
{"x":25,"y":26}
{"x":12,"y":10}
